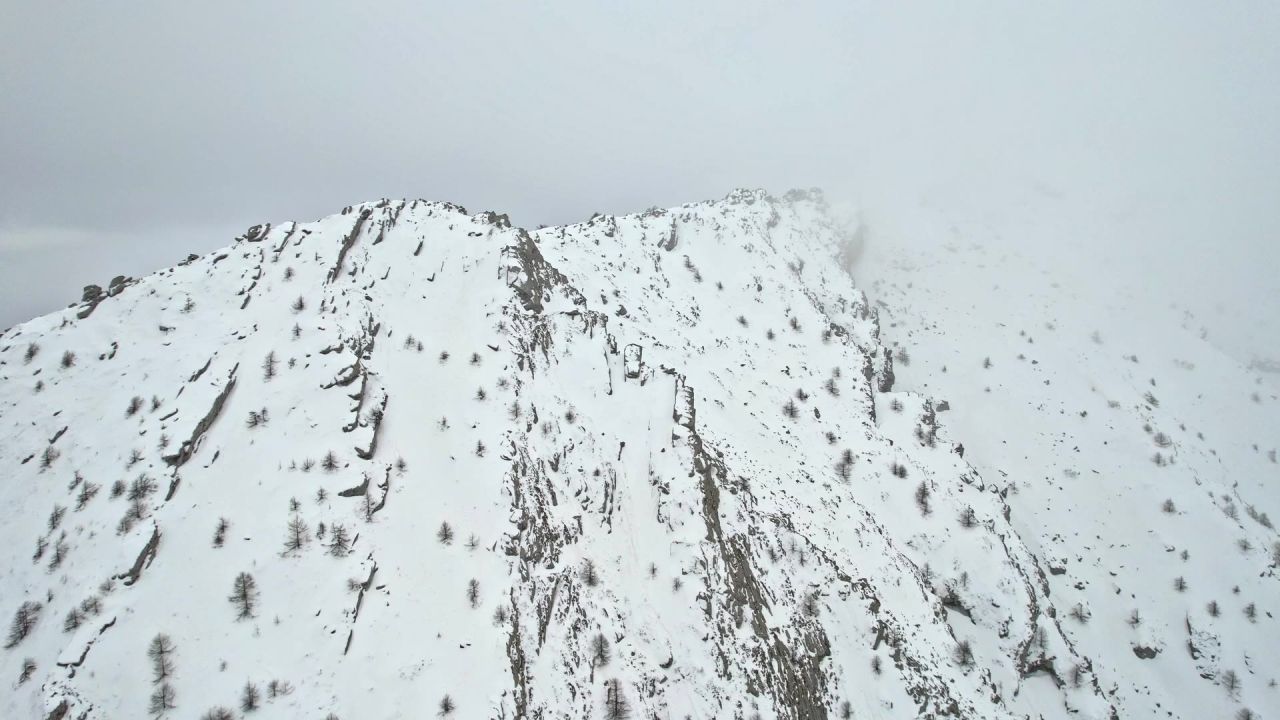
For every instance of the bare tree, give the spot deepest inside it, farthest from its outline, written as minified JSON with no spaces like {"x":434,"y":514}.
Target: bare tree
{"x":922,"y":498}
{"x":589,"y":575}
{"x":250,"y":697}
{"x":339,"y":541}
{"x":297,"y":535}
{"x":330,"y":462}
{"x":87,"y":491}
{"x":244,"y":595}
{"x":599,"y":650}
{"x":1231,"y":681}
{"x":162,"y":700}
{"x":73,"y":620}
{"x":964,"y":654}
{"x":615,"y":703}
{"x":160,"y":651}
{"x":220,"y":532}
{"x":23,"y":621}
{"x":28,"y":669}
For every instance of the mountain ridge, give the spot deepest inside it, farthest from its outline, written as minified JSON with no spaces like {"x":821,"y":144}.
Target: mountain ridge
{"x":689,"y":484}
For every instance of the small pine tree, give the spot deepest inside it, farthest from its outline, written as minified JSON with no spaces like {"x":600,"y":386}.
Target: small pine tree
{"x":876,"y":665}
{"x":968,"y":519}
{"x":28,"y":669}
{"x":446,"y":706}
{"x":68,"y":359}
{"x":1214,"y":610}
{"x":1180,"y":584}
{"x":445,"y":534}
{"x":1168,"y":507}
{"x":299,"y":305}
{"x":244,"y":595}
{"x":218,"y":713}
{"x":473,"y":592}
{"x":269,"y":366}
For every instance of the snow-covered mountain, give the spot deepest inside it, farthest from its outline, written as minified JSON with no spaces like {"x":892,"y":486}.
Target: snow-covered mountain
{"x":407,"y":461}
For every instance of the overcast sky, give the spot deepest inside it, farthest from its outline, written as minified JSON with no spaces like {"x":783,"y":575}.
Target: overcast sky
{"x":134,"y":133}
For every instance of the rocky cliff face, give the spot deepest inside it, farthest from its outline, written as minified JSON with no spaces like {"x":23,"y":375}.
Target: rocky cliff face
{"x":651,"y":466}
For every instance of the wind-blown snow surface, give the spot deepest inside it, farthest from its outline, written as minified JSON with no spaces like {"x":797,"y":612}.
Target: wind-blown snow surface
{"x":694,"y":403}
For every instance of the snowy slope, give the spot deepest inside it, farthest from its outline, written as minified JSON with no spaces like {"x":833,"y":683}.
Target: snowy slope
{"x":679,"y":468}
